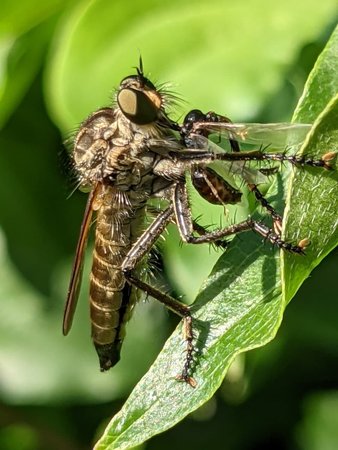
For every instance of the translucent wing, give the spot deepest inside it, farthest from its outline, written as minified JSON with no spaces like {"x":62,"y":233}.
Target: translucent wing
{"x":274,"y":136}
{"x":240,"y":168}
{"x":278,"y":136}
{"x":75,"y":281}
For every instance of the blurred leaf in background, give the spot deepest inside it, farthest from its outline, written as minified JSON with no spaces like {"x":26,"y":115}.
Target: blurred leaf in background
{"x":59,"y":61}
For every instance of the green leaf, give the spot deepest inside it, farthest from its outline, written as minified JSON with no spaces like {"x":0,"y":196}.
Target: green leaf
{"x":26,"y":28}
{"x":322,"y":84}
{"x":312,"y":204}
{"x":20,"y":59}
{"x":240,"y":306}
{"x":19,"y":17}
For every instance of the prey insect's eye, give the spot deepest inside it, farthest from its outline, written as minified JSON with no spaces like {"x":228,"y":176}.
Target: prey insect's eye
{"x":137,"y":106}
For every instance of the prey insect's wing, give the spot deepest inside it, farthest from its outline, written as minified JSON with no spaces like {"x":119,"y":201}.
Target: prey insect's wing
{"x":277,"y":136}
{"x":228,"y":168}
{"x":271,"y":136}
{"x":75,"y":281}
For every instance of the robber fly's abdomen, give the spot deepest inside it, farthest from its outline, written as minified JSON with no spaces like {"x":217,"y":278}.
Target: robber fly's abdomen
{"x":110,"y":295}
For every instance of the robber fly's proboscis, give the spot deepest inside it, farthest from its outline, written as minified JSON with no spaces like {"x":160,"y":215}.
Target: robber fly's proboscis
{"x":133,"y":152}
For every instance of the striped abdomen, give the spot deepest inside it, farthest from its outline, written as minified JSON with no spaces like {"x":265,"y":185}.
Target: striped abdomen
{"x":111,"y":299}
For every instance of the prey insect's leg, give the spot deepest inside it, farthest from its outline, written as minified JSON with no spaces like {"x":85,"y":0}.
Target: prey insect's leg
{"x":184,"y":223}
{"x":133,"y":257}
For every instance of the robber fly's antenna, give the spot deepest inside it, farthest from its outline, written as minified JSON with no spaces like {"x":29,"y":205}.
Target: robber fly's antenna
{"x":139,"y":71}
{"x":140,"y":68}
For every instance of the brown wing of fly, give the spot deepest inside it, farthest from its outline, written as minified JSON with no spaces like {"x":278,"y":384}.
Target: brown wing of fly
{"x":75,"y":281}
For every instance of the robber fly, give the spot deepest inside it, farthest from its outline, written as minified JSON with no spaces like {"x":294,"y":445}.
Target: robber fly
{"x":133,"y":152}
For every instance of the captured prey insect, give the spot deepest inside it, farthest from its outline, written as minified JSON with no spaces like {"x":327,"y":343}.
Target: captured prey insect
{"x":133,"y":152}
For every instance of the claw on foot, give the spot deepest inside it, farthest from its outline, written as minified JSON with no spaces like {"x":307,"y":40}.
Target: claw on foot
{"x":189,"y":380}
{"x":303,"y":243}
{"x":327,"y":158}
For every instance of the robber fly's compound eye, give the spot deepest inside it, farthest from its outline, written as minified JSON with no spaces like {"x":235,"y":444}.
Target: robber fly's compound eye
{"x":137,"y":106}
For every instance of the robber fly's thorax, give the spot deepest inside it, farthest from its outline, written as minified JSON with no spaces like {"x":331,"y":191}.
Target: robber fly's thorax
{"x":110,"y":148}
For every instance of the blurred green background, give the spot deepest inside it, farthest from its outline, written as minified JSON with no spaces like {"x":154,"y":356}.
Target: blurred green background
{"x":59,"y":61}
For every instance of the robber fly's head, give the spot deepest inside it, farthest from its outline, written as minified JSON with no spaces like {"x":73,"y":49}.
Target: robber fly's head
{"x":138,"y":99}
